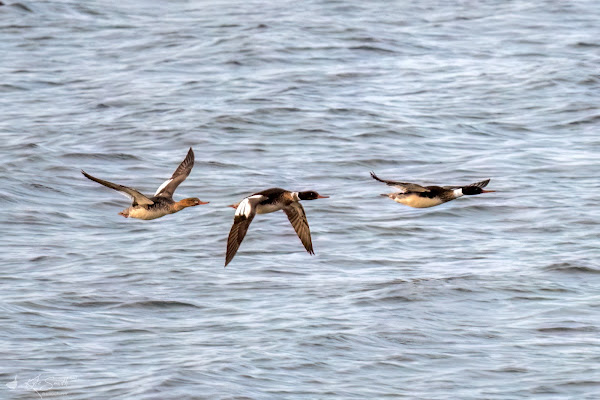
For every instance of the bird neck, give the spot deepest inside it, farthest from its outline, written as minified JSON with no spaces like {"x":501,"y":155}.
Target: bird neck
{"x":458,"y":193}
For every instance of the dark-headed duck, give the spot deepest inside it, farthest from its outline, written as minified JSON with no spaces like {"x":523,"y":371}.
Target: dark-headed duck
{"x":414,"y":195}
{"x":269,"y":201}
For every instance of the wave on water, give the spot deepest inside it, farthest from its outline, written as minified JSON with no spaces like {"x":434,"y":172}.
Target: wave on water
{"x":158,"y":304}
{"x":573,"y":268}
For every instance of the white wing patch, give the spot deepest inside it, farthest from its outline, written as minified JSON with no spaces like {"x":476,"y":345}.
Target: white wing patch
{"x":245,"y":206}
{"x":161,"y":187}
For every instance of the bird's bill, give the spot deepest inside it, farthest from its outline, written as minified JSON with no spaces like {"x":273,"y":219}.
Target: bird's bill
{"x":322,"y":197}
{"x":233,"y":206}
{"x":200,"y":202}
{"x":488,"y":191}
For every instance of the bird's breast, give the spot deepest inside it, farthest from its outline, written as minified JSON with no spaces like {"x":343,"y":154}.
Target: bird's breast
{"x":268,"y":208}
{"x":416,"y":201}
{"x":148,"y":213}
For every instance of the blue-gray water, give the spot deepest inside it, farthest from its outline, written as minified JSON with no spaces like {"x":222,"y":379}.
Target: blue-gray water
{"x":487,"y":297}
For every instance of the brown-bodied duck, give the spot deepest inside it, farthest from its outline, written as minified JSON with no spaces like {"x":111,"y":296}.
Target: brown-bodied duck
{"x":269,"y":201}
{"x":414,"y":195}
{"x":162,"y":203}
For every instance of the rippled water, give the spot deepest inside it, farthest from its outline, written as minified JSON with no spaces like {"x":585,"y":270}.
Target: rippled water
{"x":487,"y":297}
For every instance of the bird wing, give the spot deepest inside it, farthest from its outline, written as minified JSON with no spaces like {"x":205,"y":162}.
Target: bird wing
{"x":244,"y":214}
{"x":168,"y":187}
{"x":403,"y":186}
{"x":297,"y":216}
{"x":481,"y":184}
{"x":137,"y":197}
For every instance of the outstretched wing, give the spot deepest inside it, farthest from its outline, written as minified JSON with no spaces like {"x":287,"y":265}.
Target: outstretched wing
{"x":244,"y":214}
{"x":168,"y":187}
{"x":137,"y":197}
{"x":297,"y":216}
{"x":481,"y":184}
{"x":403,"y":186}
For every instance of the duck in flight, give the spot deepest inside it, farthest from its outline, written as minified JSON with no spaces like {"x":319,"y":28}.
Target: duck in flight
{"x":414,"y":195}
{"x":162,"y":203}
{"x":269,"y":201}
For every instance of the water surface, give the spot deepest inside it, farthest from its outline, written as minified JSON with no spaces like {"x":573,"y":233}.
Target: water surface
{"x":487,"y":297}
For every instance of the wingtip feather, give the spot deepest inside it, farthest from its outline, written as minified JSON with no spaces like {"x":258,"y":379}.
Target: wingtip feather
{"x":484,"y":183}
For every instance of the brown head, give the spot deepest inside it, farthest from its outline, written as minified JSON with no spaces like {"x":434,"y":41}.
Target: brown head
{"x":189,"y":202}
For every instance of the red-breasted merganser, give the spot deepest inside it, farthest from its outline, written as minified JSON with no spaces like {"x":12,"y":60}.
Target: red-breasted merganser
{"x":269,"y":201}
{"x":161,"y":203}
{"x":418,"y":196}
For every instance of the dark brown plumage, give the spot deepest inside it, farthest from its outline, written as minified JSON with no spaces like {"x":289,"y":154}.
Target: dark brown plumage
{"x":268,"y":201}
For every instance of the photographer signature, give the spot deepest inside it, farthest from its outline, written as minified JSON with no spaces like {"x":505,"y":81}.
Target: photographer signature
{"x":42,"y":386}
